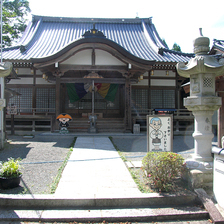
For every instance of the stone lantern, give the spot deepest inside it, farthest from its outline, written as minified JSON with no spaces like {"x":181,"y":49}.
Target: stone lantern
{"x":202,"y":70}
{"x":5,"y":70}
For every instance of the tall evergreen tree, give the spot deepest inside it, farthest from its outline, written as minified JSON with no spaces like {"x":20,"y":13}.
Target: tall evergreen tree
{"x":176,"y":47}
{"x":14,"y":21}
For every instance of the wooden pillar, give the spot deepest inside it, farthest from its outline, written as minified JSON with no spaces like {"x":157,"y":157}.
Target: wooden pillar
{"x":34,"y":97}
{"x":220,"y":133}
{"x":149,"y":90}
{"x":220,"y":128}
{"x":57,"y":103}
{"x":128,"y":120}
{"x":58,"y":95}
{"x":34,"y":88}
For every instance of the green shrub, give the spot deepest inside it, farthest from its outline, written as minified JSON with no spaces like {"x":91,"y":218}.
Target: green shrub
{"x":162,"y":168}
{"x":10,"y":168}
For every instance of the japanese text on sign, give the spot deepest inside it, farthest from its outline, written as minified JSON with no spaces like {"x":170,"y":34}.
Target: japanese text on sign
{"x":160,"y":132}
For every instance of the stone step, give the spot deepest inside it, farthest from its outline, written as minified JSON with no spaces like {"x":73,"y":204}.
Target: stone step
{"x":140,"y":200}
{"x":167,"y":222}
{"x":106,"y":214}
{"x":102,"y":125}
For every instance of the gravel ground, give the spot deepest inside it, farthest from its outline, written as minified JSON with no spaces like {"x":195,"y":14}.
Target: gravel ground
{"x":37,"y":178}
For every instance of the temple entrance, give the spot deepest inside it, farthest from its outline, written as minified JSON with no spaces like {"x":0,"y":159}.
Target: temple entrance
{"x":105,"y":101}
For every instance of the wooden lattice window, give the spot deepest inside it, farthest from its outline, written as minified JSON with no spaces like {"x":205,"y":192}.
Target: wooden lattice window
{"x":45,"y":99}
{"x":139,"y":99}
{"x":23,"y":101}
{"x":162,"y":98}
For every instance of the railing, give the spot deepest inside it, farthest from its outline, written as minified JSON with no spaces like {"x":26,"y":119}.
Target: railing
{"x":177,"y":112}
{"x":30,"y":119}
{"x":183,"y":119}
{"x":31,"y":111}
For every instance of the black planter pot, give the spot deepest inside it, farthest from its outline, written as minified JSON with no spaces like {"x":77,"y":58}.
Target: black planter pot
{"x":9,"y":182}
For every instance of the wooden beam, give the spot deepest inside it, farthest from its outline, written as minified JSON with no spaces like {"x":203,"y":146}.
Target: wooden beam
{"x":65,"y":68}
{"x":93,"y":57}
{"x":89,"y":80}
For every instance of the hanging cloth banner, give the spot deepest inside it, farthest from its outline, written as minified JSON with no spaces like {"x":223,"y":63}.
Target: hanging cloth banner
{"x":76,"y":91}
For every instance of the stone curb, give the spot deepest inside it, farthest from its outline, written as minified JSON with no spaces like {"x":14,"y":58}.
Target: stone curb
{"x":106,"y":214}
{"x":46,"y":201}
{"x":214,"y":213}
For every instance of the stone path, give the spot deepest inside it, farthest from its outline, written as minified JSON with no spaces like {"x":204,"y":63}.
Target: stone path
{"x":95,"y":169}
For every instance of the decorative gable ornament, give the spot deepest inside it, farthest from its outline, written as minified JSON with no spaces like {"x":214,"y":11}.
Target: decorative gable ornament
{"x":93,"y":33}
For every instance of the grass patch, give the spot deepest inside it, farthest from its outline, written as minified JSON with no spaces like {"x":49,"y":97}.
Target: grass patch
{"x":119,"y":152}
{"x":60,"y":170}
{"x":140,"y":179}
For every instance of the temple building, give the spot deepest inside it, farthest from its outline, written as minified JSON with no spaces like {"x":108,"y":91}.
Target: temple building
{"x":118,"y":70}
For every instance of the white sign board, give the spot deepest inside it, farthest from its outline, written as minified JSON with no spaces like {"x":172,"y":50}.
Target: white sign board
{"x":12,"y":109}
{"x":160,"y":133}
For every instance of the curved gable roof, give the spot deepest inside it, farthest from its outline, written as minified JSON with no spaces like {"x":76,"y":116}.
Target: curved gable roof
{"x":218,"y":45}
{"x":47,"y":36}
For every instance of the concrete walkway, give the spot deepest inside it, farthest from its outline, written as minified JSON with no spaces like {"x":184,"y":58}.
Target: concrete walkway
{"x":95,"y":169}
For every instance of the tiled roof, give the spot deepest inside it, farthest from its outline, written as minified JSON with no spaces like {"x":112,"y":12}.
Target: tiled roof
{"x":218,"y":45}
{"x":46,"y":36}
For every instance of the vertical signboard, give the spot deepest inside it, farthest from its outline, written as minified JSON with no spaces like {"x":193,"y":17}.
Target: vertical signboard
{"x":159,"y":133}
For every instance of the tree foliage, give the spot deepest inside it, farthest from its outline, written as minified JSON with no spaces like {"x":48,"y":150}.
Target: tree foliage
{"x":176,"y":47}
{"x":14,"y":21}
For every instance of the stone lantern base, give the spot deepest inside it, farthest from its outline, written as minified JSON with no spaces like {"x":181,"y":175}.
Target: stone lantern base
{"x":200,"y":165}
{"x":200,"y":174}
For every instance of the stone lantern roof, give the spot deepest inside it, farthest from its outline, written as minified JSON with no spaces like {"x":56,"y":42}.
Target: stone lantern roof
{"x":202,"y":62}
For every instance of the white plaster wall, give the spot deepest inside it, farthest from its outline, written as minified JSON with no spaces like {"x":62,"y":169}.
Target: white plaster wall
{"x":218,"y":178}
{"x":24,"y":71}
{"x":104,"y":58}
{"x":81,"y":58}
{"x":40,"y":81}
{"x":143,"y":82}
{"x":162,"y":73}
{"x":21,"y":81}
{"x":163,"y":82}
{"x":38,"y":72}
{"x":85,"y":58}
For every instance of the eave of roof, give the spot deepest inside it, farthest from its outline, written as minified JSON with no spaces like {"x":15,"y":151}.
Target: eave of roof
{"x":48,"y":36}
{"x":89,"y":20}
{"x":218,"y":45}
{"x":96,"y":40}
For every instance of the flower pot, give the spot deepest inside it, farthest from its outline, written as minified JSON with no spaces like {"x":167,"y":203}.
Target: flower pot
{"x":9,"y":182}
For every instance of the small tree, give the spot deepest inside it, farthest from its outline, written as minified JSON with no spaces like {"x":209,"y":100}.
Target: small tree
{"x":14,"y":21}
{"x":176,"y":47}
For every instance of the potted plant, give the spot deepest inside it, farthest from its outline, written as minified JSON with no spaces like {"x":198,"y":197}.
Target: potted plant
{"x":10,"y":174}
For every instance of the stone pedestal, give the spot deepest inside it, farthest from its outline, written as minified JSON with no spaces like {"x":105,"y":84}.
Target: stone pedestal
{"x":202,"y":70}
{"x":201,"y":162}
{"x":92,"y":121}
